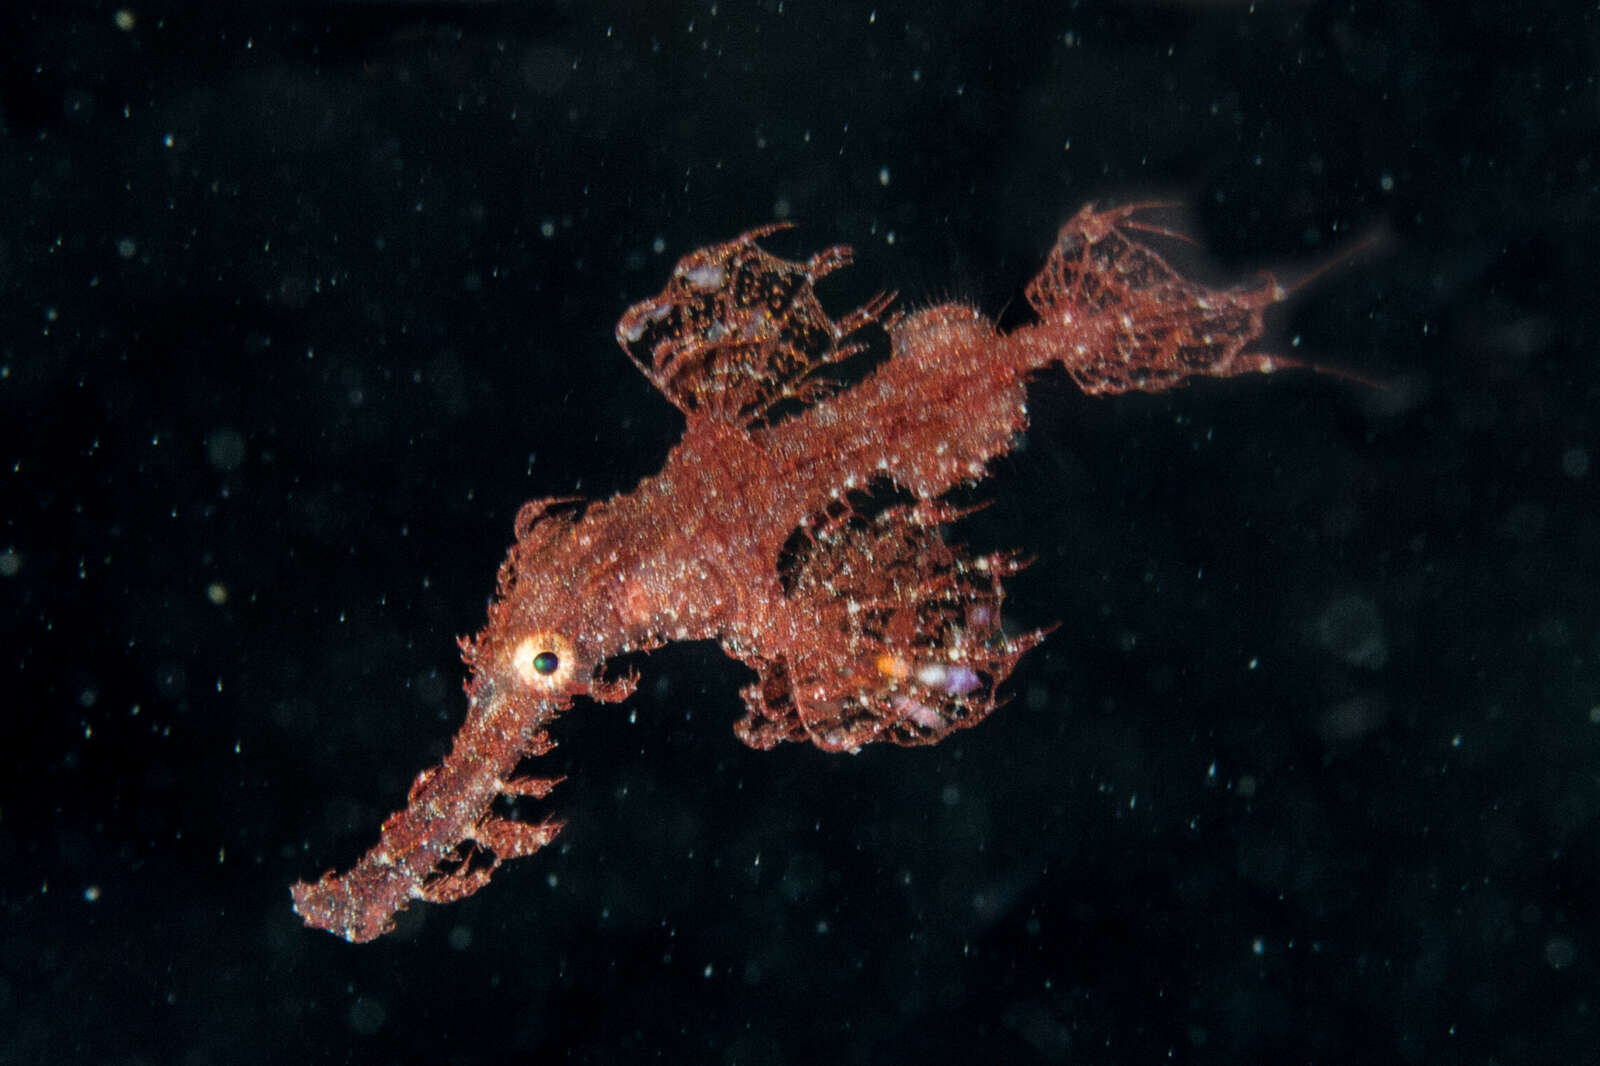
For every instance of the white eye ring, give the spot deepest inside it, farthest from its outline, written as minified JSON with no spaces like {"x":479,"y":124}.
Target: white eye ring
{"x":544,"y":661}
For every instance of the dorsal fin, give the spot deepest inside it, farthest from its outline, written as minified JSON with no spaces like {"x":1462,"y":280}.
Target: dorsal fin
{"x":738,"y":330}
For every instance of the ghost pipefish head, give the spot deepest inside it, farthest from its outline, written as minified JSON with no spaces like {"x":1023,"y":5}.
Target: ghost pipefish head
{"x":531,"y":645}
{"x":542,"y":664}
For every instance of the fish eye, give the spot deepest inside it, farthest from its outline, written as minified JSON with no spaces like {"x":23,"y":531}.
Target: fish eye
{"x":543,"y":661}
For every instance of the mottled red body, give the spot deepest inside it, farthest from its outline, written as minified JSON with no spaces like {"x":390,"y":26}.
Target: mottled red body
{"x":798,"y":523}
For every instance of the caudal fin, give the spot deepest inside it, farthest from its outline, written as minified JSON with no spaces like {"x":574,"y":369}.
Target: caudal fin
{"x":1119,"y":318}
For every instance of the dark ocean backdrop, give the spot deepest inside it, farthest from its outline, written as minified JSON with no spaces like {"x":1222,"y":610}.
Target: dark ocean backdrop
{"x":300,"y":301}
